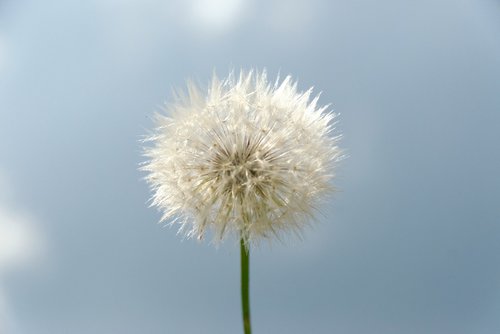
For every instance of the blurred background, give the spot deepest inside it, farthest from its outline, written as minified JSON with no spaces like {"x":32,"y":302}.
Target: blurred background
{"x":411,"y":243}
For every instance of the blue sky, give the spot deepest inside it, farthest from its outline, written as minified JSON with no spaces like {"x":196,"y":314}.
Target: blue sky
{"x":410,"y":243}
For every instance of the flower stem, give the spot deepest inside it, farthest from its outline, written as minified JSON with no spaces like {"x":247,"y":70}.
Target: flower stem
{"x":245,"y":298}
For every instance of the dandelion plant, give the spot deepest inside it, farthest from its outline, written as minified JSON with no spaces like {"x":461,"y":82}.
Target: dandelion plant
{"x":244,"y":158}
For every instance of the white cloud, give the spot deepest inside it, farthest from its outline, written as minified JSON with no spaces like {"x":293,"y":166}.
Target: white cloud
{"x":20,"y":243}
{"x":211,"y":16}
{"x":134,"y":28}
{"x":21,"y":246}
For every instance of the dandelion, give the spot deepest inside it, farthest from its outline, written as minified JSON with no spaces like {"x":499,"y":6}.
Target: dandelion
{"x":247,"y":158}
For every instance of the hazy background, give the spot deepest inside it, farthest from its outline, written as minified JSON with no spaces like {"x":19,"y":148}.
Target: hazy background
{"x":411,"y":244}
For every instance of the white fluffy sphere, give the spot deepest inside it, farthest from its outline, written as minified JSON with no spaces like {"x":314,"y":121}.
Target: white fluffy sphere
{"x":247,"y":157}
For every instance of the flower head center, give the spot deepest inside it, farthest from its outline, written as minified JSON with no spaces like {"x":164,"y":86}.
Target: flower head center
{"x":241,"y":168}
{"x":243,"y":171}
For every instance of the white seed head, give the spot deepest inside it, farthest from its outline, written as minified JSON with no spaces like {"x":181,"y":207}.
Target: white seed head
{"x":248,"y":158}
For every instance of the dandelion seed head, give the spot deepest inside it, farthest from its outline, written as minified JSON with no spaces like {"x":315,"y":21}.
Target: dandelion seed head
{"x":247,"y":158}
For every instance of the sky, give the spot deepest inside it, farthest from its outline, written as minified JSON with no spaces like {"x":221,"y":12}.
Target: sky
{"x":409,"y":244}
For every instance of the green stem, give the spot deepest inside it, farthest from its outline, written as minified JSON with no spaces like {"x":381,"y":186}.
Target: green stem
{"x":245,"y":298}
